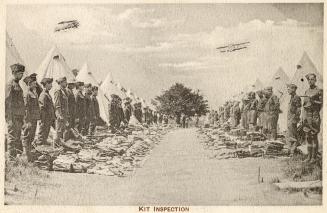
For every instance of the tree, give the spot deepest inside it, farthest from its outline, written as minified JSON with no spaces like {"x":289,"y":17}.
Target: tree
{"x":180,"y":99}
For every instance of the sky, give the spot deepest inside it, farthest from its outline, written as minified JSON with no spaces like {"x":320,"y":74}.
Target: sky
{"x":149,"y":47}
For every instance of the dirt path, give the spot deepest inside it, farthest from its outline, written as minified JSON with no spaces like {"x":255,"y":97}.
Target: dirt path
{"x":177,"y":172}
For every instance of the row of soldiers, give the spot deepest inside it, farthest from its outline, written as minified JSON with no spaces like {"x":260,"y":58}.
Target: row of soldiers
{"x":122,"y":111}
{"x":68,"y":110}
{"x":260,"y":111}
{"x":73,"y":110}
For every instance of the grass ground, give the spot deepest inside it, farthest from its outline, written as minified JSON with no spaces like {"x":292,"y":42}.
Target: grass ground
{"x":22,"y":178}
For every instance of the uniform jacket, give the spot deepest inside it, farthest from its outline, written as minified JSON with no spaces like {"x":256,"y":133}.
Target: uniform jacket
{"x":294,"y":109}
{"x":32,"y":106}
{"x":38,"y":89}
{"x":89,"y":109}
{"x":80,"y":105}
{"x":47,"y":111}
{"x":310,"y":104}
{"x":272,"y":105}
{"x":93,"y":108}
{"x":14,"y":100}
{"x":71,"y":103}
{"x":61,"y":104}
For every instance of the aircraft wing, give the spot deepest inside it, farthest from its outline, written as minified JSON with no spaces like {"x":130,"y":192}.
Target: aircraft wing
{"x":221,"y":47}
{"x":241,"y":43}
{"x":239,"y":48}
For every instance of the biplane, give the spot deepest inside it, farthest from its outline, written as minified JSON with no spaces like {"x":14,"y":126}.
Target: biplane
{"x":64,"y":25}
{"x":233,"y":47}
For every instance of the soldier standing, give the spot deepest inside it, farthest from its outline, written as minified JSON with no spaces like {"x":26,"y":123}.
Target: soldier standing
{"x":38,"y":87}
{"x":312,"y":105}
{"x":155,"y":117}
{"x":80,"y":107}
{"x":71,"y":104}
{"x":272,"y":111}
{"x":87,"y":95}
{"x":196,"y":120}
{"x":61,"y":110}
{"x":236,"y":113}
{"x":32,"y":115}
{"x":127,"y":109}
{"x":94,"y":110}
{"x":252,"y":118}
{"x":244,"y":112}
{"x":14,"y":110}
{"x":138,"y":111}
{"x":293,"y":117}
{"x":47,"y":112}
{"x":260,"y":109}
{"x":160,"y":118}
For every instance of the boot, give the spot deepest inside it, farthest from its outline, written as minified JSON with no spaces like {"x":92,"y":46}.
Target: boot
{"x":309,"y":155}
{"x":314,"y":154}
{"x":26,"y":153}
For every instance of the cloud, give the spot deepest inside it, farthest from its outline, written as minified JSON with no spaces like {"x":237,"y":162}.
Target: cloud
{"x":185,"y":65}
{"x":132,"y":49}
{"x":43,"y":21}
{"x":138,"y":18}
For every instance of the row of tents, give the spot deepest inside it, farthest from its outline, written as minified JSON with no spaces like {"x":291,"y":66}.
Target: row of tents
{"x":279,"y":81}
{"x":55,"y":66}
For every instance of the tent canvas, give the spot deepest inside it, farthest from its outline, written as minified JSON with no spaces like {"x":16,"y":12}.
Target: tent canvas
{"x":109,"y":88}
{"x":54,"y":66}
{"x":278,"y":82}
{"x":86,"y":76}
{"x":13,"y":57}
{"x":306,"y":67}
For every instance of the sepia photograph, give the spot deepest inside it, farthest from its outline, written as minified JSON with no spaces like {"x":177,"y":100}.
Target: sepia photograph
{"x":163,"y":106}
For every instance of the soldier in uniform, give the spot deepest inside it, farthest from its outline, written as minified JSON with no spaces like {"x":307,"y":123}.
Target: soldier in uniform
{"x":293,"y":117}
{"x":244,"y":112}
{"x":260,"y":109}
{"x":61,"y":110}
{"x":252,"y":114}
{"x":155,"y":117}
{"x":80,"y":107}
{"x":47,"y":112}
{"x":38,"y":86}
{"x":94,"y":110}
{"x":127,"y":109}
{"x":114,"y":110}
{"x":32,"y":115}
{"x":160,"y":117}
{"x":138,"y":111}
{"x":236,"y":114}
{"x":14,"y":110}
{"x":71,"y":104}
{"x":312,"y":105}
{"x":87,"y":95}
{"x":272,"y":111}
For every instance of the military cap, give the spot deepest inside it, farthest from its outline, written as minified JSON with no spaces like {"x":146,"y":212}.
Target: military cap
{"x":33,"y":76}
{"x":79,"y":83}
{"x":60,"y":80}
{"x":259,"y":92}
{"x":46,"y":81}
{"x":71,"y":82}
{"x":310,"y":74}
{"x":88,"y":85}
{"x":293,"y":86}
{"x":28,"y":80}
{"x":95,"y":88}
{"x":16,"y":68}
